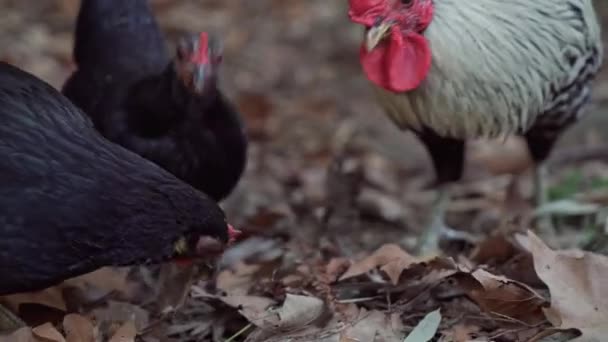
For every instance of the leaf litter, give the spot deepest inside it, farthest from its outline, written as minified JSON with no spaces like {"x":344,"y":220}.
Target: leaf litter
{"x":332,"y":201}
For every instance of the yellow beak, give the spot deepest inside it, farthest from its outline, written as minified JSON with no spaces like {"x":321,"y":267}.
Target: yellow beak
{"x":375,"y":34}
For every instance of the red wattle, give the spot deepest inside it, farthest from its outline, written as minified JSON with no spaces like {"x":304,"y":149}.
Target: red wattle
{"x":398,"y":64}
{"x":233,"y":234}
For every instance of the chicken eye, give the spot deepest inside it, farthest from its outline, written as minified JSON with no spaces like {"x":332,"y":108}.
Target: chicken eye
{"x":181,"y":52}
{"x":184,"y":49}
{"x":407,"y":2}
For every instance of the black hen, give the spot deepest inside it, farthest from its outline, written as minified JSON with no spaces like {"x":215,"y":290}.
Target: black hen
{"x":72,"y":201}
{"x":168,"y":111}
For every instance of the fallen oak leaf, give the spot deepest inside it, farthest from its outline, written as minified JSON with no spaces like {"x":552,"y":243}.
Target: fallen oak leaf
{"x":322,"y":331}
{"x":102,"y":281}
{"x":239,"y":279}
{"x":390,"y":258}
{"x":502,"y":296}
{"x":47,"y":332}
{"x":578,"y":283}
{"x":126,"y":333}
{"x":495,"y":248}
{"x":374,"y":326}
{"x":114,"y":313}
{"x":51,"y":297}
{"x":488,"y":280}
{"x":294,"y":316}
{"x":334,"y":268}
{"x":254,"y":308}
{"x":295,"y":312}
{"x":78,"y":328}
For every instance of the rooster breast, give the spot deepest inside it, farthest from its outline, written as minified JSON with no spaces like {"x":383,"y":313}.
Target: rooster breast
{"x":497,"y":66}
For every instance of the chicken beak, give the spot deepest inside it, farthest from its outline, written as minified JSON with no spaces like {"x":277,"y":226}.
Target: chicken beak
{"x":375,"y":34}
{"x":199,"y":78}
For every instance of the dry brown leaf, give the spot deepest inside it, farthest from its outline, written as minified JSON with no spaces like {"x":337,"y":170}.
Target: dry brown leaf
{"x":296,"y":311}
{"x":47,"y":332}
{"x":578,"y":283}
{"x":106,"y":279}
{"x":126,"y":333}
{"x":238,"y":280}
{"x":502,"y":296}
{"x":78,"y":329}
{"x":495,"y":248}
{"x":354,"y":325}
{"x":335,"y":267}
{"x":51,"y":297}
{"x":390,"y":258}
{"x":118,"y":312}
{"x":21,"y":335}
{"x":375,"y":326}
{"x":95,"y":284}
{"x":254,"y":308}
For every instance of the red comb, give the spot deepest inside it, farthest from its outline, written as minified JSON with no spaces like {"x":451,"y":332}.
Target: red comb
{"x":233,"y":234}
{"x":202,"y":55}
{"x":365,"y":11}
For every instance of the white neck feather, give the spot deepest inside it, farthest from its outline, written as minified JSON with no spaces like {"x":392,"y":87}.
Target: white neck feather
{"x":495,"y":63}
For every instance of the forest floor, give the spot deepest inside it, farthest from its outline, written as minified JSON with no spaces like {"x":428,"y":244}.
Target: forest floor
{"x":332,"y":203}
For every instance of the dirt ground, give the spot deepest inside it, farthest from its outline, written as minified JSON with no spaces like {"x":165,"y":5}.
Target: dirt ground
{"x":333,"y":197}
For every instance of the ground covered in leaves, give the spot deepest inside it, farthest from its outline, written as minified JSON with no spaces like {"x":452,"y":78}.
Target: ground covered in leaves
{"x":333,"y":199}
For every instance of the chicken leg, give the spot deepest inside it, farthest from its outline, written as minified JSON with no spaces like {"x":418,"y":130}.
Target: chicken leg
{"x":437,"y":230}
{"x":447,"y":155}
{"x":541,"y":197}
{"x":540,"y":142}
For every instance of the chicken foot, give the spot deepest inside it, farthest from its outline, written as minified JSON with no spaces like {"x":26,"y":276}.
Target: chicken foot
{"x":9,"y":321}
{"x":437,"y":230}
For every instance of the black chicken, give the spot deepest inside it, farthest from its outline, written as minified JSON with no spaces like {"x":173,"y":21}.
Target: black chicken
{"x":72,"y":201}
{"x":168,"y":111}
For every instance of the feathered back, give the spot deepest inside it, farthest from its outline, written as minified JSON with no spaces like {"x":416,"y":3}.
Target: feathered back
{"x":118,"y":32}
{"x":71,"y":201}
{"x":498,"y":64}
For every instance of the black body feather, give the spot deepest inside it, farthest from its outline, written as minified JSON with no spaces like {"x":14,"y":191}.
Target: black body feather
{"x":71,"y":201}
{"x":128,"y":85}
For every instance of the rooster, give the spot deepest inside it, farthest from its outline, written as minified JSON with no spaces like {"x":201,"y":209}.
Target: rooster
{"x":168,"y":110}
{"x":452,"y":70}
